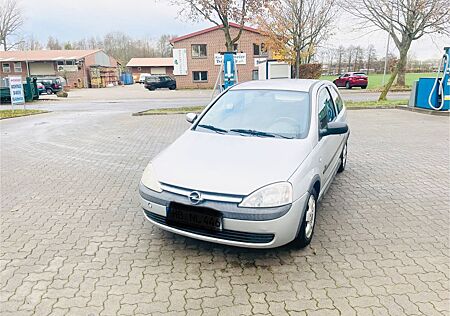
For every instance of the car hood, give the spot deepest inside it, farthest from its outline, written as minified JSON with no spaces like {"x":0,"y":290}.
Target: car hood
{"x":228,"y":164}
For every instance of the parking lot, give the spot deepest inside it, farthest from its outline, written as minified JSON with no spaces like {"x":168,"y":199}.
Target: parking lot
{"x":74,"y":240}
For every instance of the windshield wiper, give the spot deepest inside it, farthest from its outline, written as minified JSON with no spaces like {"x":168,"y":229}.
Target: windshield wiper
{"x":213,"y":128}
{"x":258,"y":133}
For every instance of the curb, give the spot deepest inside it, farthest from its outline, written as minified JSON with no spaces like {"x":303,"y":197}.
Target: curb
{"x":424,"y":111}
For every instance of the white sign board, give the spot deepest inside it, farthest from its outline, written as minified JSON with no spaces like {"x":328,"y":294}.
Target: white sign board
{"x":16,"y":90}
{"x":179,"y":62}
{"x":239,"y":59}
{"x":68,"y":68}
{"x":259,"y":61}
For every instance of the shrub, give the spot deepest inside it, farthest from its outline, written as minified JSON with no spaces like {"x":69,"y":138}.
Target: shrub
{"x":310,"y":71}
{"x":62,"y":94}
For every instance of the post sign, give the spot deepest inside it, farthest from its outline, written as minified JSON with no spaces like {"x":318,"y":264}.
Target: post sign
{"x":68,"y":68}
{"x":179,"y":62}
{"x":16,"y":90}
{"x":239,"y":59}
{"x":259,"y":61}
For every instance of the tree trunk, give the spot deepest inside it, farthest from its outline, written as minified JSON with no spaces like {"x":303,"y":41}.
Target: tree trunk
{"x":228,"y":40}
{"x":297,"y":64}
{"x":387,"y":87}
{"x":402,"y":68}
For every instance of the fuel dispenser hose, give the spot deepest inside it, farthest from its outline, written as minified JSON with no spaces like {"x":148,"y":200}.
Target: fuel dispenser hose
{"x":441,"y":85}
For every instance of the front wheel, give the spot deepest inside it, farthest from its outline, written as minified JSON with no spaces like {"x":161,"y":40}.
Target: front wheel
{"x":347,"y":85}
{"x":363,"y":87}
{"x":172,"y":87}
{"x":308,"y":223}
{"x":343,"y":159}
{"x":49,"y":91}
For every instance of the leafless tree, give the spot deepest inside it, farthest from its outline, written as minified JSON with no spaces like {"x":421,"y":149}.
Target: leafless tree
{"x":371,"y":56}
{"x":11,"y":20}
{"x":340,"y":53}
{"x":221,"y":13}
{"x":163,"y":45}
{"x":405,"y":21}
{"x":297,"y":27}
{"x":53,"y":43}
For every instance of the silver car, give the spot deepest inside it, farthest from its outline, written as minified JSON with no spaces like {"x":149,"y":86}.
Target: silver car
{"x":252,"y":167}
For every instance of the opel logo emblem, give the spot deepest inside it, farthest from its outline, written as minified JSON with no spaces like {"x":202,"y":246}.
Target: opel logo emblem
{"x":195,"y":197}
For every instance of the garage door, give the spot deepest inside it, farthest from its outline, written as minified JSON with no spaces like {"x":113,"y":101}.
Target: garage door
{"x":42,"y":69}
{"x":158,"y":70}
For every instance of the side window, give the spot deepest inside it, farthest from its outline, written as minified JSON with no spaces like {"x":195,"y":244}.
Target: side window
{"x":323,"y":112}
{"x":339,"y":104}
{"x":326,"y":108}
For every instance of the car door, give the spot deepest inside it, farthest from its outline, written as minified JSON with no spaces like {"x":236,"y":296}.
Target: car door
{"x":344,"y":79}
{"x":328,"y":145}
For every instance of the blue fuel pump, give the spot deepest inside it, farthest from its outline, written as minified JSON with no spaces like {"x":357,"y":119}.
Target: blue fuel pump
{"x":229,"y":70}
{"x":434,"y":93}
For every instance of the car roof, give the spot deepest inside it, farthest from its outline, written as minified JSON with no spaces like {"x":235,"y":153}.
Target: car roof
{"x":303,"y":85}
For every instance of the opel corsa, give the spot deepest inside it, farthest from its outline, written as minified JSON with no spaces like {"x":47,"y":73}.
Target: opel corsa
{"x":252,"y":167}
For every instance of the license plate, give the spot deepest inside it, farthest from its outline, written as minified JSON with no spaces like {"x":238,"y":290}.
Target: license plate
{"x":194,"y":216}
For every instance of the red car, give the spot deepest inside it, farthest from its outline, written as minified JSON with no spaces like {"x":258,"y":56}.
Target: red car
{"x":352,"y":79}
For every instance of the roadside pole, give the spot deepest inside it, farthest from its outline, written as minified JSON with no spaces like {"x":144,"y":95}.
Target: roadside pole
{"x":387,"y":52}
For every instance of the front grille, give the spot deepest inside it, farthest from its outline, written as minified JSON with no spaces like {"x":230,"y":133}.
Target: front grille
{"x":256,"y":238}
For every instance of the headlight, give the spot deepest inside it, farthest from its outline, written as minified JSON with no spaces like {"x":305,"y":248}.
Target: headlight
{"x":149,"y":179}
{"x":272,"y":195}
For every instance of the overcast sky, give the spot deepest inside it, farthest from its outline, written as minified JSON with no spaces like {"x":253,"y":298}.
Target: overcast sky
{"x":76,"y":19}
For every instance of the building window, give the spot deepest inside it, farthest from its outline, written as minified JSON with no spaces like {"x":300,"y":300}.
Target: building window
{"x":235,"y":47}
{"x":255,"y":75}
{"x":60,"y":62}
{"x":200,"y":76}
{"x":199,"y":50}
{"x":259,"y":49}
{"x":18,"y":66}
{"x":6,"y":67}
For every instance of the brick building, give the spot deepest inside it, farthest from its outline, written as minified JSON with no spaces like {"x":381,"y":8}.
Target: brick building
{"x":201,"y":49}
{"x":153,"y":66}
{"x":79,"y":68}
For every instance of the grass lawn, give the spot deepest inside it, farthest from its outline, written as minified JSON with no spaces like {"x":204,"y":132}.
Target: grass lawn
{"x":348,"y":104}
{"x":182,"y":110}
{"x":4,"y":114}
{"x":376,"y":79}
{"x":371,"y":104}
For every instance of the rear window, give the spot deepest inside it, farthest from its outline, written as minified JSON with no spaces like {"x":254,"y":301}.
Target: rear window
{"x":151,"y":79}
{"x":359,"y":74}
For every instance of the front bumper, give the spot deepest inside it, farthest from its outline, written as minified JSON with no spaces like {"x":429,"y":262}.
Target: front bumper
{"x":255,"y":233}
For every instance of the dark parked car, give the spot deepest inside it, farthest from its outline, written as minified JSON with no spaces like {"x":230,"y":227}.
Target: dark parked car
{"x":352,"y":79}
{"x":157,"y":82}
{"x":52,"y":85}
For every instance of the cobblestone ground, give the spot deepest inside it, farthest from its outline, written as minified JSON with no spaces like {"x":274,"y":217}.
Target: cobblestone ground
{"x":74,"y":240}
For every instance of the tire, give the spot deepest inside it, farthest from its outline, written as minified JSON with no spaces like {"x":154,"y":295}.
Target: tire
{"x":49,"y":91}
{"x":347,"y":85}
{"x":363,"y":87}
{"x":172,"y":88}
{"x":343,"y":159}
{"x":152,"y":88}
{"x":305,"y":233}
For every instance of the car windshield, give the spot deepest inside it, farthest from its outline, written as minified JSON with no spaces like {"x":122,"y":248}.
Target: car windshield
{"x":259,"y":113}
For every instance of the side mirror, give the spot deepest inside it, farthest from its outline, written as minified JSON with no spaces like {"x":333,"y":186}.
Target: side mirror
{"x":191,"y":117}
{"x":334,"y":128}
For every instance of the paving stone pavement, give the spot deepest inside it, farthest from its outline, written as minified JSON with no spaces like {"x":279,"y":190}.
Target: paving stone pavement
{"x":74,"y":240}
